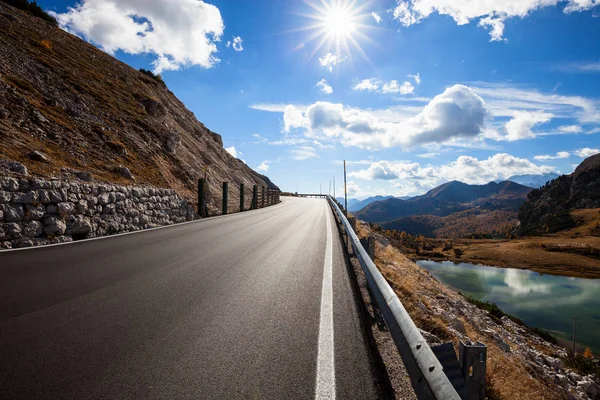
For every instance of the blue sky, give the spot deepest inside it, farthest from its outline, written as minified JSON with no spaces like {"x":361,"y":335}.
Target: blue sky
{"x":423,"y":92}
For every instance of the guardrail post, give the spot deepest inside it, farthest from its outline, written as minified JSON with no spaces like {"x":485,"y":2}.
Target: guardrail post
{"x":225,"y":197}
{"x":241,"y":197}
{"x":473,"y":363}
{"x":201,"y":198}
{"x":369,"y":245}
{"x":262,"y":197}
{"x":254,"y":203}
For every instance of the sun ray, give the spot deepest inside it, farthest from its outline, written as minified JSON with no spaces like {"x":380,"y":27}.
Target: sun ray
{"x":336,"y":26}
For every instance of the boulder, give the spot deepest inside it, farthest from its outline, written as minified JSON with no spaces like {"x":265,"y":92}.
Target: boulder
{"x":81,"y":227}
{"x":154,"y":108}
{"x":32,"y":229}
{"x":18,"y":168}
{"x":38,"y":156}
{"x":25,"y":197}
{"x":11,"y":185}
{"x":13,"y":213}
{"x":10,"y":231}
{"x":54,"y":226}
{"x":124,"y":172}
{"x":65,"y":208}
{"x":173,"y":142}
{"x":5,"y":197}
{"x":84,"y":176}
{"x":34,"y":211}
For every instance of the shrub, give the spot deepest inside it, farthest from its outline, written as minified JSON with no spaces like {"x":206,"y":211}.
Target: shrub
{"x":45,"y":44}
{"x":33,"y":9}
{"x":149,"y":73}
{"x":582,"y":364}
{"x":458,"y":252}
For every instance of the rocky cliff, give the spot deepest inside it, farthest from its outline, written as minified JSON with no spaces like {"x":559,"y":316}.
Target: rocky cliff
{"x":66,"y":104}
{"x":547,"y":209}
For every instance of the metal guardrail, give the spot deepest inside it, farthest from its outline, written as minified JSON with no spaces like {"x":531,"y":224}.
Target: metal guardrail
{"x":424,"y":369}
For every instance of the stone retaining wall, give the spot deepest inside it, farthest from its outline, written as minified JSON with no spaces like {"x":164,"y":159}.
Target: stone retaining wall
{"x":35,"y":212}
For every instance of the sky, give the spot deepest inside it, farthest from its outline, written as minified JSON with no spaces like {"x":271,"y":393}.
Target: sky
{"x":411,"y":93}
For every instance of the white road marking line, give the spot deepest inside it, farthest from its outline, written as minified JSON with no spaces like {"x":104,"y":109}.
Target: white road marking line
{"x":325,"y":358}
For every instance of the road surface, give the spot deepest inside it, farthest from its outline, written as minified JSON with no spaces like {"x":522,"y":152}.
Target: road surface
{"x":251,"y":305}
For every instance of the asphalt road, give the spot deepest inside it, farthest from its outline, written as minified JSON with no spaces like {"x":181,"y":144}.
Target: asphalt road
{"x":227,"y":307}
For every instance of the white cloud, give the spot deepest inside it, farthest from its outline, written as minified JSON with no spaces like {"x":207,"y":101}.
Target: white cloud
{"x":519,"y":127}
{"x":376,"y":17}
{"x":458,"y":117}
{"x":580,"y":67}
{"x":303,"y":153}
{"x":586,"y":152}
{"x":293,"y":117}
{"x":228,"y":44}
{"x":411,"y":177}
{"x":569,"y":129}
{"x":491,"y":14}
{"x":263,"y":166}
{"x":416,"y":77}
{"x":330,"y":60}
{"x":395,"y":87}
{"x":456,"y":113}
{"x":231,"y":150}
{"x":559,"y":156}
{"x":179,"y":33}
{"x":503,"y":100}
{"x":324,"y":86}
{"x":369,"y":85}
{"x":237,"y":43}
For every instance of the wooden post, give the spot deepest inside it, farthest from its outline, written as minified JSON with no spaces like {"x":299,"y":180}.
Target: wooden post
{"x":201,"y":198}
{"x":241,"y":197}
{"x":225,"y":198}
{"x":263,"y":197}
{"x":254,"y":203}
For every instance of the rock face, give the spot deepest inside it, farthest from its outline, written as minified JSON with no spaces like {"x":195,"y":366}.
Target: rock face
{"x":547,"y":209}
{"x":87,"y":111}
{"x":35,"y":211}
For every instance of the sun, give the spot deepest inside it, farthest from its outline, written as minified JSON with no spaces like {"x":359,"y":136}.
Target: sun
{"x":339,"y":22}
{"x":337,"y":26}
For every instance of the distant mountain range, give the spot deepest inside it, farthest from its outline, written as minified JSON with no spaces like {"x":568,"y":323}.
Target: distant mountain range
{"x":452,"y":209}
{"x":356,"y":205}
{"x":548,"y":209}
{"x":533,"y":181}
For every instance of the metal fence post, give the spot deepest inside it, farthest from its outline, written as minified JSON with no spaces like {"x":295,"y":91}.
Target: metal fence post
{"x":473,"y":364}
{"x":225,"y":197}
{"x":201,"y":198}
{"x":241,"y":197}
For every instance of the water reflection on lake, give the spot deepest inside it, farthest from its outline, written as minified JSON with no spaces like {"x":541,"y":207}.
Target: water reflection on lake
{"x":544,"y":301}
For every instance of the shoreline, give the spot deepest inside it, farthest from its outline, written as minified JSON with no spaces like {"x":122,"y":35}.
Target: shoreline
{"x":502,"y":264}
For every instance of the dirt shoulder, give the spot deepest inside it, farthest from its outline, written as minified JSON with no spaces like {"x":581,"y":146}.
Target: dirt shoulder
{"x":558,"y":255}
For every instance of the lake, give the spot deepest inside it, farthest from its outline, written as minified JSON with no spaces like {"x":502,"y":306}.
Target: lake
{"x":545,"y":301}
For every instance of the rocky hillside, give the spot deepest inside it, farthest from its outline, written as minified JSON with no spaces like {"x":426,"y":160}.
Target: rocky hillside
{"x":67,"y":107}
{"x":549,"y":208}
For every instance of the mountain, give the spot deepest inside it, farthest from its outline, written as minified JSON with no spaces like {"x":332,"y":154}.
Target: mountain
{"x":351,"y":201}
{"x":449,"y":198}
{"x":533,"y":181}
{"x":549,"y":208}
{"x":454,"y":209}
{"x":83,"y":110}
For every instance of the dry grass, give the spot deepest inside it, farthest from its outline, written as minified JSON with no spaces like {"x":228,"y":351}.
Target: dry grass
{"x":507,"y":375}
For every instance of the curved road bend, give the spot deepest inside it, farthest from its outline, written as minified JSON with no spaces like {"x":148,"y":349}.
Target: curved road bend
{"x":240,"y":306}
